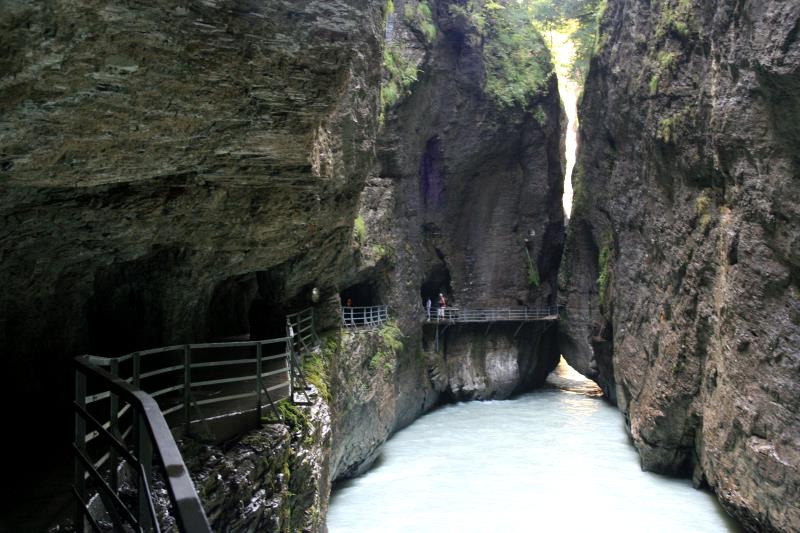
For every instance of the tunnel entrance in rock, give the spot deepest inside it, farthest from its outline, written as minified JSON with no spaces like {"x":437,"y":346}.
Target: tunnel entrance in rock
{"x":253,"y":306}
{"x":126,"y":310}
{"x":438,"y":281}
{"x":229,"y":312}
{"x":267,"y":320}
{"x":362,"y":294}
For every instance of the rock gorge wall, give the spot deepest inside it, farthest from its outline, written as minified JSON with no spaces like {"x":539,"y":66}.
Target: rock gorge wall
{"x":271,"y":479}
{"x":184,"y":171}
{"x":681,"y":271}
{"x":173,"y":171}
{"x":467,"y":189}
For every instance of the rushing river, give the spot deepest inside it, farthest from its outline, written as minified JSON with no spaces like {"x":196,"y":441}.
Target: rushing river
{"x":553,"y":460}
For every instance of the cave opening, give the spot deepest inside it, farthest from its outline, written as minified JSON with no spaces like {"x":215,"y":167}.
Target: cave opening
{"x":437,"y":281}
{"x":253,"y":306}
{"x":566,"y":377}
{"x":267,"y":319}
{"x":126,"y":310}
{"x":229,"y":312}
{"x":364,"y":294}
{"x":267,"y":313}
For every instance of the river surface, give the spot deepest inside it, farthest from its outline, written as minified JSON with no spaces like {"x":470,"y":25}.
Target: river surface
{"x":554,"y":460}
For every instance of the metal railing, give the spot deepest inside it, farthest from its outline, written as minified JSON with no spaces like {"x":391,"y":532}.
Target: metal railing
{"x":521,"y":314}
{"x":150,"y":434}
{"x":365,"y":317}
{"x":118,"y":404}
{"x":301,"y":326}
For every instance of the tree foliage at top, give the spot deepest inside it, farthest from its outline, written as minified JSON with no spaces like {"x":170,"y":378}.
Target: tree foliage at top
{"x":579,"y":18}
{"x":517,"y":60}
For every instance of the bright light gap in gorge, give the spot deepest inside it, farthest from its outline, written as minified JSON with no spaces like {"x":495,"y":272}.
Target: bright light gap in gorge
{"x":563,"y":50}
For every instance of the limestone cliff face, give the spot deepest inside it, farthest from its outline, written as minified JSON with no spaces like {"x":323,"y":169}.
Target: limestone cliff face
{"x":174,"y":171}
{"x":468,"y":189}
{"x":682,"y":275}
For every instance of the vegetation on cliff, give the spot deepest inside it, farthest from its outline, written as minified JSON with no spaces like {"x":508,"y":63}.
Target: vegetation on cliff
{"x":389,"y":346}
{"x":316,"y":366}
{"x":516,"y":57}
{"x":579,"y":20}
{"x":420,"y":18}
{"x":400,"y":66}
{"x":606,"y":264}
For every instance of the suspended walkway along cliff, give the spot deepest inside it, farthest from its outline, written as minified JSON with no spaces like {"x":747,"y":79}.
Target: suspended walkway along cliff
{"x":129,"y":409}
{"x":448,"y":316}
{"x":455,"y":315}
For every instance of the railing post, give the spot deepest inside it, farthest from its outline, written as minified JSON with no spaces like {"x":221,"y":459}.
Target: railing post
{"x":113,"y":428}
{"x":258,"y":378}
{"x":80,"y":444}
{"x":290,"y":367}
{"x":187,"y":384}
{"x":136,"y":369}
{"x":144,"y":453}
{"x":313,"y":327}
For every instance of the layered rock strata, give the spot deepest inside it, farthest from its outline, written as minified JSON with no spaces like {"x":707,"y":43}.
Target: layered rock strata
{"x":172,"y":172}
{"x":682,"y":278}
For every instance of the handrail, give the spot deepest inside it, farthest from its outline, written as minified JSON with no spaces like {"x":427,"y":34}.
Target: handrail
{"x":187,"y":365}
{"x":153,"y":435}
{"x":364,"y":316}
{"x":145,"y":421}
{"x":522,"y":314}
{"x":300,"y":325}
{"x":273,"y":378}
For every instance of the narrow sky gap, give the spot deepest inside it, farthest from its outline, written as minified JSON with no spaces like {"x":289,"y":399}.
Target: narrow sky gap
{"x":563,"y":50}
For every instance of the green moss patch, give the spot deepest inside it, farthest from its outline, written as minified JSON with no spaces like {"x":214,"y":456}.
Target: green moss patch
{"x":420,"y":18}
{"x":606,"y":265}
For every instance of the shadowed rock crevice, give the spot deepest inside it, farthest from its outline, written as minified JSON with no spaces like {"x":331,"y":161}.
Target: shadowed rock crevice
{"x":432,"y":175}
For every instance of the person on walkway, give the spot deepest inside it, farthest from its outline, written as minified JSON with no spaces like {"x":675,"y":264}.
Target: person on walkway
{"x":428,"y":308}
{"x":348,"y":312}
{"x":442,"y":305}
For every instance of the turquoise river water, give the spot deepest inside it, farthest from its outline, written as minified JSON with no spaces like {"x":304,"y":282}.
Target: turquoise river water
{"x":553,"y":460}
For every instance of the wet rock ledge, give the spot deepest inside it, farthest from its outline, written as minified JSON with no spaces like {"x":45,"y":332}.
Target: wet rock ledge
{"x":271,"y":479}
